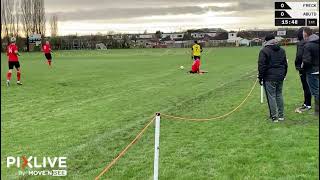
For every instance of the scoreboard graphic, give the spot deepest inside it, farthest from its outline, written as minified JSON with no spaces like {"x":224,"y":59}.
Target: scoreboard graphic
{"x":296,"y":13}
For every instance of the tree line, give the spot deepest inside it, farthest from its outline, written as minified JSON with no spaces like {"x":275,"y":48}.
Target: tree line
{"x":24,"y":18}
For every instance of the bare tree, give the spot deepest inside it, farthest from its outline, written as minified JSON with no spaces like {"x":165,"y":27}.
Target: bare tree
{"x":39,"y":19}
{"x":4,"y":22}
{"x":110,"y":33}
{"x":27,"y":18}
{"x":34,"y":15}
{"x":54,"y":25}
{"x":10,"y":17}
{"x":27,"y":14}
{"x":17,"y":8}
{"x":42,"y":18}
{"x":7,"y":18}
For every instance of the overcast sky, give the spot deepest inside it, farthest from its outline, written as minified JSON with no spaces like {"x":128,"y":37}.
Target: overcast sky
{"x":136,"y":16}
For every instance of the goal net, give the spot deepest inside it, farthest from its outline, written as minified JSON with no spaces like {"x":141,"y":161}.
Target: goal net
{"x":101,"y":46}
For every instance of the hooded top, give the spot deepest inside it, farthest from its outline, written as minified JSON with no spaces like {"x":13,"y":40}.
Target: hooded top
{"x":272,"y":64}
{"x":313,"y":38}
{"x":273,"y":44}
{"x":310,"y":56}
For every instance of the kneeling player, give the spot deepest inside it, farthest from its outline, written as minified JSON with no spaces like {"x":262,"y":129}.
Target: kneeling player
{"x":195,"y":68}
{"x":13,"y":61}
{"x":46,"y":48}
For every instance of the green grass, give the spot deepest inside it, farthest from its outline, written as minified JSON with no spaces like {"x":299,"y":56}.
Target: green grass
{"x":91,"y":104}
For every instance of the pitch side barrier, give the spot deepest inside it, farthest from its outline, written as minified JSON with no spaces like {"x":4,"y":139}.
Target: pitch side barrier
{"x":157,"y":118}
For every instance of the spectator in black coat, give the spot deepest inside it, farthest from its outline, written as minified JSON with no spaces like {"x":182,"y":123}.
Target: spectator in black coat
{"x":272,"y":67}
{"x":310,"y":64}
{"x":303,"y":77}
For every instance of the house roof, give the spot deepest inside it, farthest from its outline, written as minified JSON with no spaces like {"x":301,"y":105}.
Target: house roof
{"x":221,"y":36}
{"x":167,"y":38}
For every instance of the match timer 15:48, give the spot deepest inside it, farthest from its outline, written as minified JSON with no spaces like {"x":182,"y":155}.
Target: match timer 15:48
{"x":290,"y":22}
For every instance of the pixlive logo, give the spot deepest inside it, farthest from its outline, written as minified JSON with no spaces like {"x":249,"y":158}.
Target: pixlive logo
{"x":34,"y":166}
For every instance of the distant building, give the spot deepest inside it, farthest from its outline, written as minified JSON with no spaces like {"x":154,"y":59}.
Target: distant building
{"x":117,"y":37}
{"x":256,"y":42}
{"x":199,"y":35}
{"x":232,"y":36}
{"x":279,"y":38}
{"x":144,"y":36}
{"x":109,"y":36}
{"x":173,"y":36}
{"x":211,"y":34}
{"x":244,"y":42}
{"x":132,"y":36}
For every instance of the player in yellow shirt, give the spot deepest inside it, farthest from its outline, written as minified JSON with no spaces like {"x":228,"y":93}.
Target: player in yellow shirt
{"x":195,"y":55}
{"x":196,"y":51}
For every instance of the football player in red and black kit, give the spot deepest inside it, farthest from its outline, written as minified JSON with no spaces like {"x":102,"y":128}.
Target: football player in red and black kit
{"x":13,"y":61}
{"x":46,"y":48}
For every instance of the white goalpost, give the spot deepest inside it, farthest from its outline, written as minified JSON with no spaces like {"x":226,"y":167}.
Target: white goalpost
{"x":101,"y":46}
{"x":156,"y":147}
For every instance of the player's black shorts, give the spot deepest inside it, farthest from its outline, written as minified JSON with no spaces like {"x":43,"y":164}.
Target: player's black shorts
{"x":48,"y":56}
{"x":192,"y":72}
{"x":15,"y":64}
{"x":196,"y":57}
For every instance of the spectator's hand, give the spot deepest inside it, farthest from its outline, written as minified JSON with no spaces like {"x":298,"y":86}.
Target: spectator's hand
{"x":260,"y":81}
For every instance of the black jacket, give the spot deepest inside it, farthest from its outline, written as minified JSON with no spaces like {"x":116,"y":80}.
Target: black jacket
{"x":272,"y":64}
{"x":310,"y":56}
{"x":299,"y":54}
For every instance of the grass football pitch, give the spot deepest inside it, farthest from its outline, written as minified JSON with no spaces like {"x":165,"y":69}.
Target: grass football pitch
{"x":91,"y":104}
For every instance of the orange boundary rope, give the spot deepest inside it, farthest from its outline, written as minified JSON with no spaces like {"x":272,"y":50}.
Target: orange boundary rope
{"x":107,"y":168}
{"x":214,"y":118}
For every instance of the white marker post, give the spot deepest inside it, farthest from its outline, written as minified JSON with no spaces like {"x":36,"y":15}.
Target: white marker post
{"x":156,"y":147}
{"x":261,"y":94}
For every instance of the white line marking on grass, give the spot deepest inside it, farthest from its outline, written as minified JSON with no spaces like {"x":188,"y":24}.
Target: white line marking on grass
{"x":166,"y":52}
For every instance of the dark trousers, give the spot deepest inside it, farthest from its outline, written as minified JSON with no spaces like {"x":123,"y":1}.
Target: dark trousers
{"x":274,"y":97}
{"x":313,"y":82}
{"x":306,"y":90}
